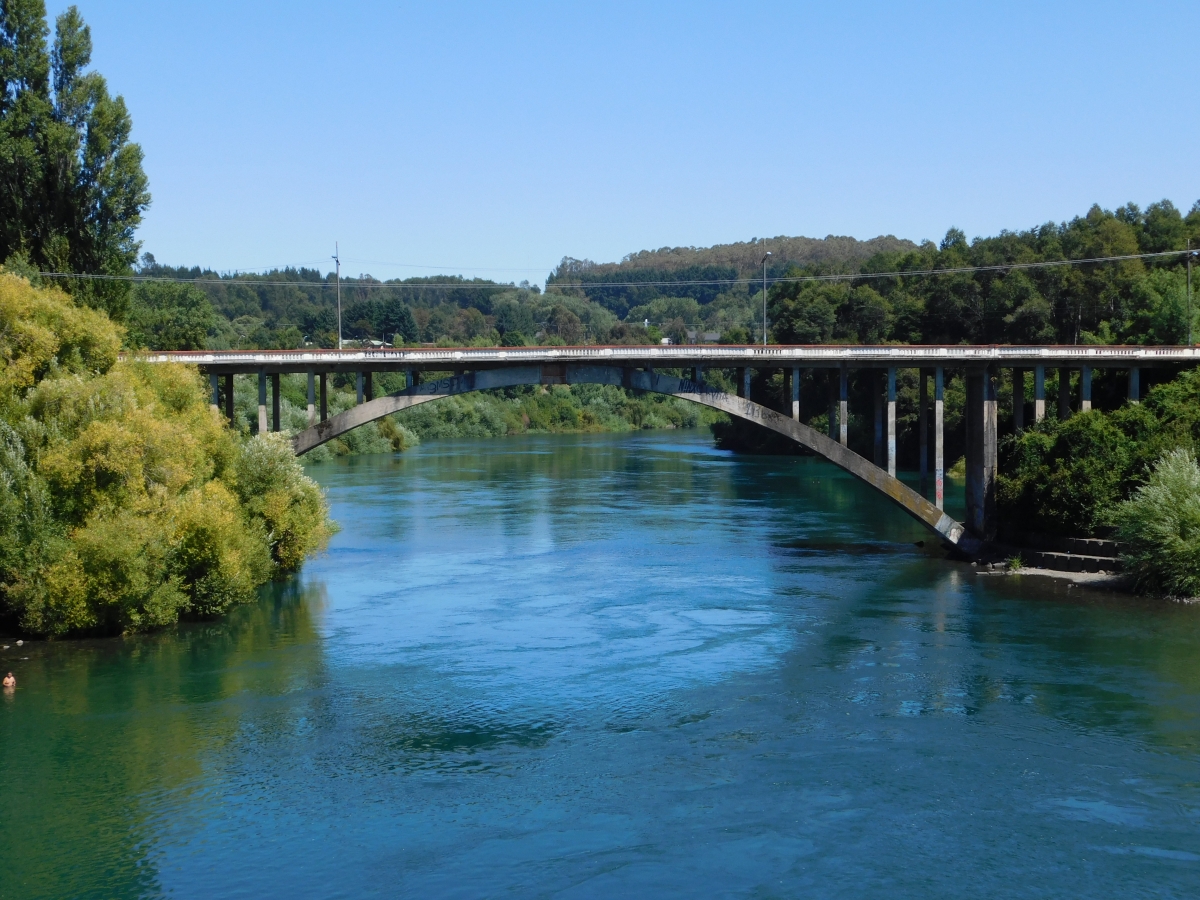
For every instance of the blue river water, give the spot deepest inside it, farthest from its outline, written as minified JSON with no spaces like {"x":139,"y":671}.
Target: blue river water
{"x":600,"y":666}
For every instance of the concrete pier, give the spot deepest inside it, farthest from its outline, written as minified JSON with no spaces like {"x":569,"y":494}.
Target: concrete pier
{"x":981,"y":453}
{"x":1039,"y":393}
{"x":877,"y":391}
{"x":1018,"y":399}
{"x":312,"y":399}
{"x":939,"y":444}
{"x":843,"y":407}
{"x":923,"y":428}
{"x":262,"y":401}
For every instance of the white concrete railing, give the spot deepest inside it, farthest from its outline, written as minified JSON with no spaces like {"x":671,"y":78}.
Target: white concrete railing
{"x":721,"y":356}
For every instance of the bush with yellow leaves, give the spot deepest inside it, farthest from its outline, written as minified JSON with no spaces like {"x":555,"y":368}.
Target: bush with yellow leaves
{"x":125,"y":500}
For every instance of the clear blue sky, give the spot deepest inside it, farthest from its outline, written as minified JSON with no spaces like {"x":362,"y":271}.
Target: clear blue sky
{"x":494,"y":139}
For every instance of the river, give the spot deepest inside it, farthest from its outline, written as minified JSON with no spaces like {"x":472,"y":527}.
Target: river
{"x":600,"y":666}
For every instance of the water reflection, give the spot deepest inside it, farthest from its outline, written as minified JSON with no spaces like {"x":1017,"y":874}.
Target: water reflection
{"x":615,"y":665}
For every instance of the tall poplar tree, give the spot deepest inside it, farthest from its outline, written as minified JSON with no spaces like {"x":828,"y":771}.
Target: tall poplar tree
{"x":72,"y":189}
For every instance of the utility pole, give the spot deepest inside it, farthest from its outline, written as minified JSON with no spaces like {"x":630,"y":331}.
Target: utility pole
{"x":339,"y":292}
{"x":764,"y":265}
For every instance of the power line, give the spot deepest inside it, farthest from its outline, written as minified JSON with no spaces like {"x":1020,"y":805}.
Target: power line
{"x":458,"y":286}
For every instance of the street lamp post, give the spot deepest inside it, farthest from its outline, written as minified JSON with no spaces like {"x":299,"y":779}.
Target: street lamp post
{"x":764,"y":265}
{"x":339,"y":292}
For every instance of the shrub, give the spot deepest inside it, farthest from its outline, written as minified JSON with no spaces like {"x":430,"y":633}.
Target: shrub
{"x":126,"y":502}
{"x":1160,"y":526}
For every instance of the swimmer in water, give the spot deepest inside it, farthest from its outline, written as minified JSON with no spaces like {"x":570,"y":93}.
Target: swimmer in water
{"x":10,"y":681}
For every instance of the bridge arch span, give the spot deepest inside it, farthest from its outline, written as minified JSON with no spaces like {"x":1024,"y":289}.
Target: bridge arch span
{"x":905,"y":497}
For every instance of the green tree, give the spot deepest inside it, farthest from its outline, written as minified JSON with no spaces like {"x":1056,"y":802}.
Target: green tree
{"x":165,"y":316}
{"x":73,"y":189}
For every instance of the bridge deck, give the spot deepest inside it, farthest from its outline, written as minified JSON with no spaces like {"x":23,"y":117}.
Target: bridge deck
{"x":720,"y":356}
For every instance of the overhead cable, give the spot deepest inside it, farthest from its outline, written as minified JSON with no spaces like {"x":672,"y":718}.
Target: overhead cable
{"x":589,"y":285}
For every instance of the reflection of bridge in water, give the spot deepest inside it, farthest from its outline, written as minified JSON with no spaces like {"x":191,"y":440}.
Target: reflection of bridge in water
{"x":636,"y":368}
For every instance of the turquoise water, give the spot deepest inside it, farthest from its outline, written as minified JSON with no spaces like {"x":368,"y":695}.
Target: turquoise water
{"x":610,"y":666}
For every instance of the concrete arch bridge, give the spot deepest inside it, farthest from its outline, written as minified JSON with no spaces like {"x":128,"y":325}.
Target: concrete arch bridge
{"x":464,"y":370}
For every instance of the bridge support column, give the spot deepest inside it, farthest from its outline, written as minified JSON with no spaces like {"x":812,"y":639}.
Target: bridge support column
{"x":1018,"y":378}
{"x":1064,"y":394}
{"x":312,"y":399}
{"x":1039,"y":393}
{"x":275,"y":402}
{"x":324,"y":397}
{"x":923,"y":428}
{"x":359,"y":385}
{"x":369,"y":385}
{"x":981,"y":453}
{"x":1085,"y":389}
{"x":877,"y":389}
{"x":746,"y":375}
{"x":891,"y":421}
{"x":215,"y":381}
{"x":742,"y":375}
{"x":843,"y":406}
{"x":229,"y":398}
{"x":832,"y":411}
{"x":1135,"y":392}
{"x":697,"y":375}
{"x":262,"y":401}
{"x":796,"y":393}
{"x":939,"y":445}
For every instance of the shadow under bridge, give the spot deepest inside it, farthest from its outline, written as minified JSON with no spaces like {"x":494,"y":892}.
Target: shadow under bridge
{"x":899,"y":493}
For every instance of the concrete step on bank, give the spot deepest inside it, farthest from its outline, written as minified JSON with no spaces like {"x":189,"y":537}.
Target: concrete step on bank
{"x":1070,"y":562}
{"x":1054,"y":544}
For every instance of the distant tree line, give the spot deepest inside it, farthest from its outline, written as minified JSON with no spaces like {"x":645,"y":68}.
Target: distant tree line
{"x":1134,"y":301}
